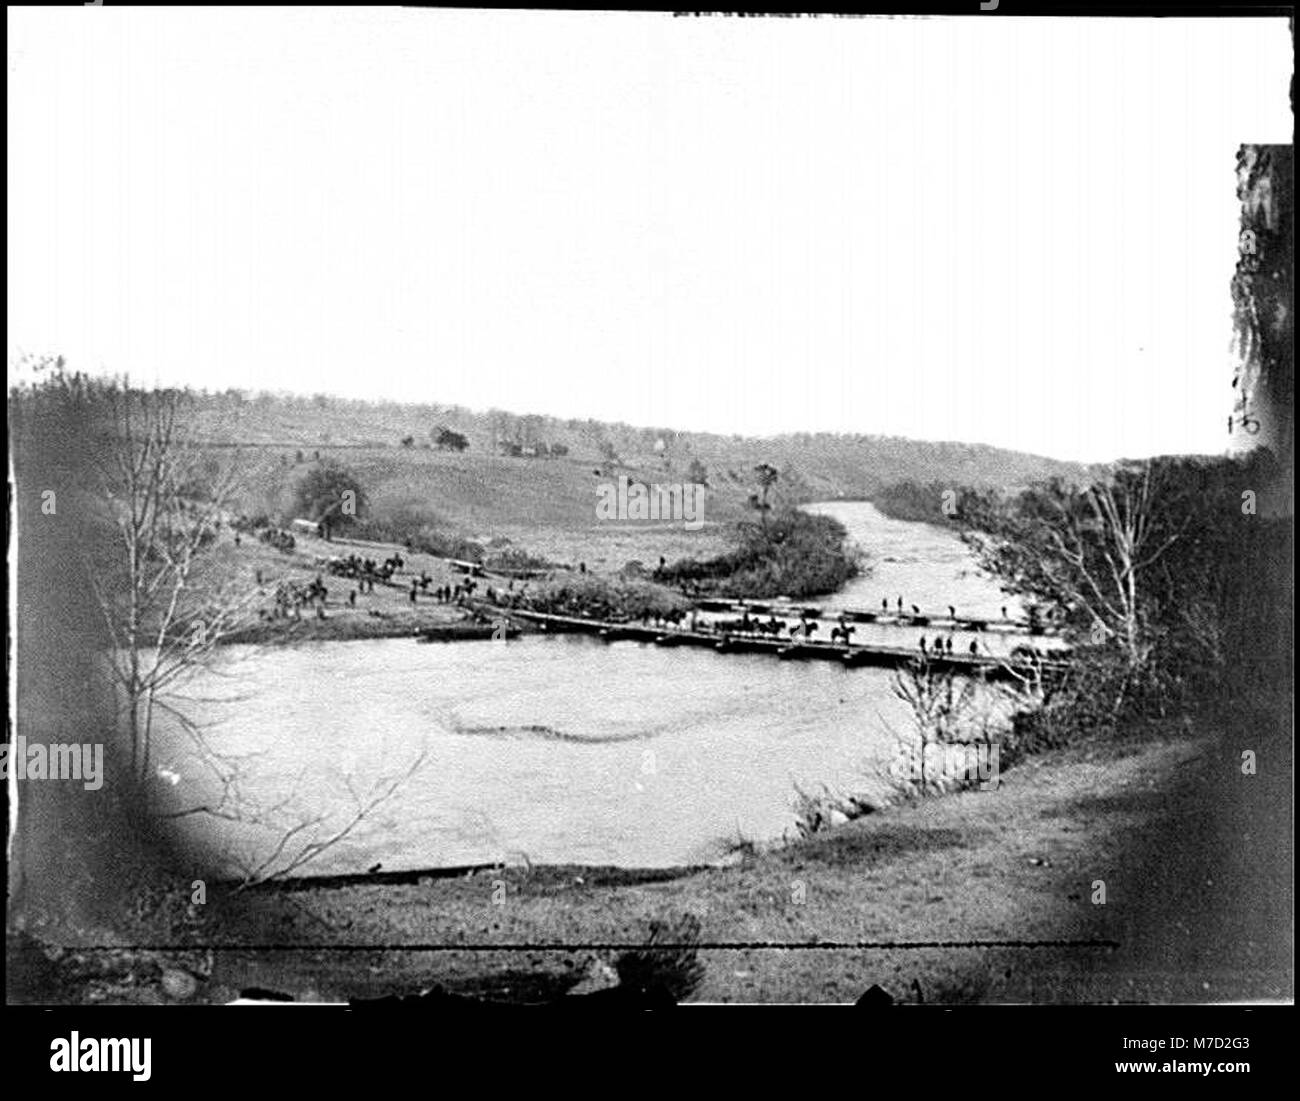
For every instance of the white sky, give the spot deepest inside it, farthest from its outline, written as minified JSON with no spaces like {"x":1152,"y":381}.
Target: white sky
{"x":1017,"y":232}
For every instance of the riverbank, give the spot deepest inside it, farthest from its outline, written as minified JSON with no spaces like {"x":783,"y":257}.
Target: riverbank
{"x":348,"y":613}
{"x":445,"y":620}
{"x":397,"y":608}
{"x":979,"y":896}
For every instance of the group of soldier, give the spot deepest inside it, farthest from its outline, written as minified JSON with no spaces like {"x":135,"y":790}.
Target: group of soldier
{"x":944,"y":646}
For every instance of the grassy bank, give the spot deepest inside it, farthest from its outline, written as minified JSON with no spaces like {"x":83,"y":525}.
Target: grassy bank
{"x":983,"y":888}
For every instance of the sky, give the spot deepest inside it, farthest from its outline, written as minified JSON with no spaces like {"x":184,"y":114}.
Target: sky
{"x":1004,"y":231}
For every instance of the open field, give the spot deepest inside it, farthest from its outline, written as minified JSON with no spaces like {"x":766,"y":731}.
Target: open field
{"x":547,"y":504}
{"x":546,"y":507}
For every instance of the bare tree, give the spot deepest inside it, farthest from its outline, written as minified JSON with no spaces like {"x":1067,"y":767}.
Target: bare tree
{"x":169,"y":606}
{"x":1088,"y":553}
{"x":301,"y":836}
{"x":167,"y":501}
{"x":940,"y":707}
{"x":767,"y":477}
{"x":1121,"y":520}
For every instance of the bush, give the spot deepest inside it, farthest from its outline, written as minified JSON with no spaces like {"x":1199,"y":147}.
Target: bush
{"x":443,"y":544}
{"x":399,"y":525}
{"x":668,"y":964}
{"x":447,"y":440}
{"x":330,"y":492}
{"x":421,"y":530}
{"x":603,"y":598}
{"x":815,"y":812}
{"x":514,"y":558}
{"x":794,"y":554}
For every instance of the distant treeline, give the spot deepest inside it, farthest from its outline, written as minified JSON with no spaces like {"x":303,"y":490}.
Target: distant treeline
{"x":931,"y":503}
{"x":834,"y":465}
{"x":283,"y":445}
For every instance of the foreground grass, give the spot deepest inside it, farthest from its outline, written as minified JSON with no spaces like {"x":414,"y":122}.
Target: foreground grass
{"x":1195,"y":858}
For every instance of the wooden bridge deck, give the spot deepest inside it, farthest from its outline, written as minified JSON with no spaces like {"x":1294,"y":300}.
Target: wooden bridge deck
{"x":881,"y":618}
{"x":732,"y":642}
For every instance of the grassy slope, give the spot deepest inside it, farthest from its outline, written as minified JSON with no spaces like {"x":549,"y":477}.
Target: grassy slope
{"x":545,"y":507}
{"x":481,"y":494}
{"x":1195,"y":858}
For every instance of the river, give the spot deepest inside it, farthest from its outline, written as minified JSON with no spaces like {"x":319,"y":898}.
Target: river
{"x":559,"y":749}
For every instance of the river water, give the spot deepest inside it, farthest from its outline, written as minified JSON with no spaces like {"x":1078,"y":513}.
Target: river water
{"x":560,"y":749}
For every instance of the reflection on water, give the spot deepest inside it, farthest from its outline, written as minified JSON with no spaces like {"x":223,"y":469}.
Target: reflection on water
{"x":560,"y":749}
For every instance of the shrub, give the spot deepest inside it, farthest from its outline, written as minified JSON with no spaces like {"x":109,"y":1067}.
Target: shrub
{"x":794,"y":554}
{"x":323,"y":494}
{"x":668,"y":962}
{"x":818,"y":811}
{"x":514,"y":558}
{"x":421,"y":530}
{"x":604,"y":598}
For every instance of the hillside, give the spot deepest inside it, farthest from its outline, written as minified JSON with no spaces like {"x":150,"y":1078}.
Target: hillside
{"x":483,"y":492}
{"x":840,"y":465}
